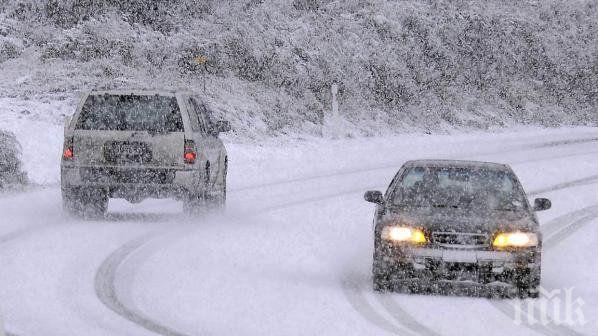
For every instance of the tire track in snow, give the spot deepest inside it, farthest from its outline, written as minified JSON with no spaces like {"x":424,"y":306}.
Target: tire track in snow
{"x":105,"y":288}
{"x":403,"y":316}
{"x":13,"y":235}
{"x":353,"y":291}
{"x":105,"y":278}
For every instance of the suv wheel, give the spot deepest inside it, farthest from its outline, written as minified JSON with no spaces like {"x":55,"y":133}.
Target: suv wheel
{"x":212,"y":199}
{"x":87,"y":203}
{"x":217,"y":197}
{"x":197,"y":203}
{"x":194,"y":203}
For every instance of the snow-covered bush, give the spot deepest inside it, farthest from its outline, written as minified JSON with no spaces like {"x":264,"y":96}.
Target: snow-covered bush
{"x":11,"y":166}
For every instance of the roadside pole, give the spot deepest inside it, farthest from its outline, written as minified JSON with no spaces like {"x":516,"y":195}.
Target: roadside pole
{"x":334,"y":90}
{"x":202,"y":61}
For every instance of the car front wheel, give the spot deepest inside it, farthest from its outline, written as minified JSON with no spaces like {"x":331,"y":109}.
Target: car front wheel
{"x":527,"y":283}
{"x":381,"y":282}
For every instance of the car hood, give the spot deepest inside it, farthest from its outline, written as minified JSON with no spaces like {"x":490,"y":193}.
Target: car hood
{"x":462,"y":220}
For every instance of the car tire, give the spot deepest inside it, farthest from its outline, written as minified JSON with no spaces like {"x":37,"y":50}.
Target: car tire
{"x":89,"y":203}
{"x":381,"y":278}
{"x":381,"y":283}
{"x":527,"y":283}
{"x":525,"y":292}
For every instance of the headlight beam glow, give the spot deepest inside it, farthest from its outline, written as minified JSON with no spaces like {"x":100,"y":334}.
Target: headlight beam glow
{"x":404,"y":234}
{"x":515,"y":239}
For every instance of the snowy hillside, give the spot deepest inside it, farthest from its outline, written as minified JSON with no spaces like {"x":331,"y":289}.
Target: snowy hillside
{"x":400,"y":65}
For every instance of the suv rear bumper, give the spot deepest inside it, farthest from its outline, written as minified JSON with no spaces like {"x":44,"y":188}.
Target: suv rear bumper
{"x":134,"y":181}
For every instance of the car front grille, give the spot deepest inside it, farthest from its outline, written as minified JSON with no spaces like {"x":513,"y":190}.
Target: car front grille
{"x":116,"y":175}
{"x":460,"y":240}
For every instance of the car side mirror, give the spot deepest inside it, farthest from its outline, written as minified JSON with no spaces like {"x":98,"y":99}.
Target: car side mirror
{"x":221,"y":126}
{"x":542,"y":204}
{"x":374,"y":196}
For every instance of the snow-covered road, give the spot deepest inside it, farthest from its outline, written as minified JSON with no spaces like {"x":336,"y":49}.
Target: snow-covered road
{"x":292,"y":253}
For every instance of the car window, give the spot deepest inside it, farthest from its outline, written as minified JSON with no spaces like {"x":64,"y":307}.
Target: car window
{"x":193,"y":116}
{"x":200,"y":114}
{"x":413,"y":176}
{"x":130,"y":113}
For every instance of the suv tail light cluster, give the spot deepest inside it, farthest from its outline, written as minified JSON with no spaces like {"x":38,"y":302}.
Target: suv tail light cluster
{"x":190,"y":154}
{"x":67,"y":152}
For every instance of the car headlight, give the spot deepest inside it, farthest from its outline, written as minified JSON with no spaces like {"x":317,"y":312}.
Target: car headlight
{"x":515,"y":239}
{"x":403,"y":234}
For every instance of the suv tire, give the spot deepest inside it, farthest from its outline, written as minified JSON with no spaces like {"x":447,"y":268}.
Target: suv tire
{"x":194,"y":203}
{"x":217,"y":198}
{"x":213,"y":199}
{"x":89,"y":203}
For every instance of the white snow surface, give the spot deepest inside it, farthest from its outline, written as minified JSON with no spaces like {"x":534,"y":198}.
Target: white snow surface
{"x":292,"y":253}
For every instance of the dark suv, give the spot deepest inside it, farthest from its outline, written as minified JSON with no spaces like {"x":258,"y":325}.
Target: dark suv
{"x":456,"y":225}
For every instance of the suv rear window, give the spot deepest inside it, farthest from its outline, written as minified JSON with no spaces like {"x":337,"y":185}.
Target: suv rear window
{"x":157,"y":114}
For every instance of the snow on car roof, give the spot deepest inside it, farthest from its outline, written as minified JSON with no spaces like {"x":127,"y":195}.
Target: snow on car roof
{"x":455,"y":163}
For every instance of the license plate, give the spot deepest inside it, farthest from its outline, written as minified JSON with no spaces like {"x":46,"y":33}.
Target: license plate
{"x":131,"y":150}
{"x":127,"y":152}
{"x":459,"y":256}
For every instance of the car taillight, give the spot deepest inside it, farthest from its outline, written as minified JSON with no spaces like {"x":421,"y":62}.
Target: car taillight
{"x":190,"y":154}
{"x":68,"y":153}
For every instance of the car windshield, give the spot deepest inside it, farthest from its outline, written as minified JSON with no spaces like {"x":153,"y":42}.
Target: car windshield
{"x":158,"y":114}
{"x":459,"y":187}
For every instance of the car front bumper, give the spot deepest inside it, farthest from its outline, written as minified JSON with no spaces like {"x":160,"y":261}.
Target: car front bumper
{"x":435,"y":265}
{"x":421,"y":258}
